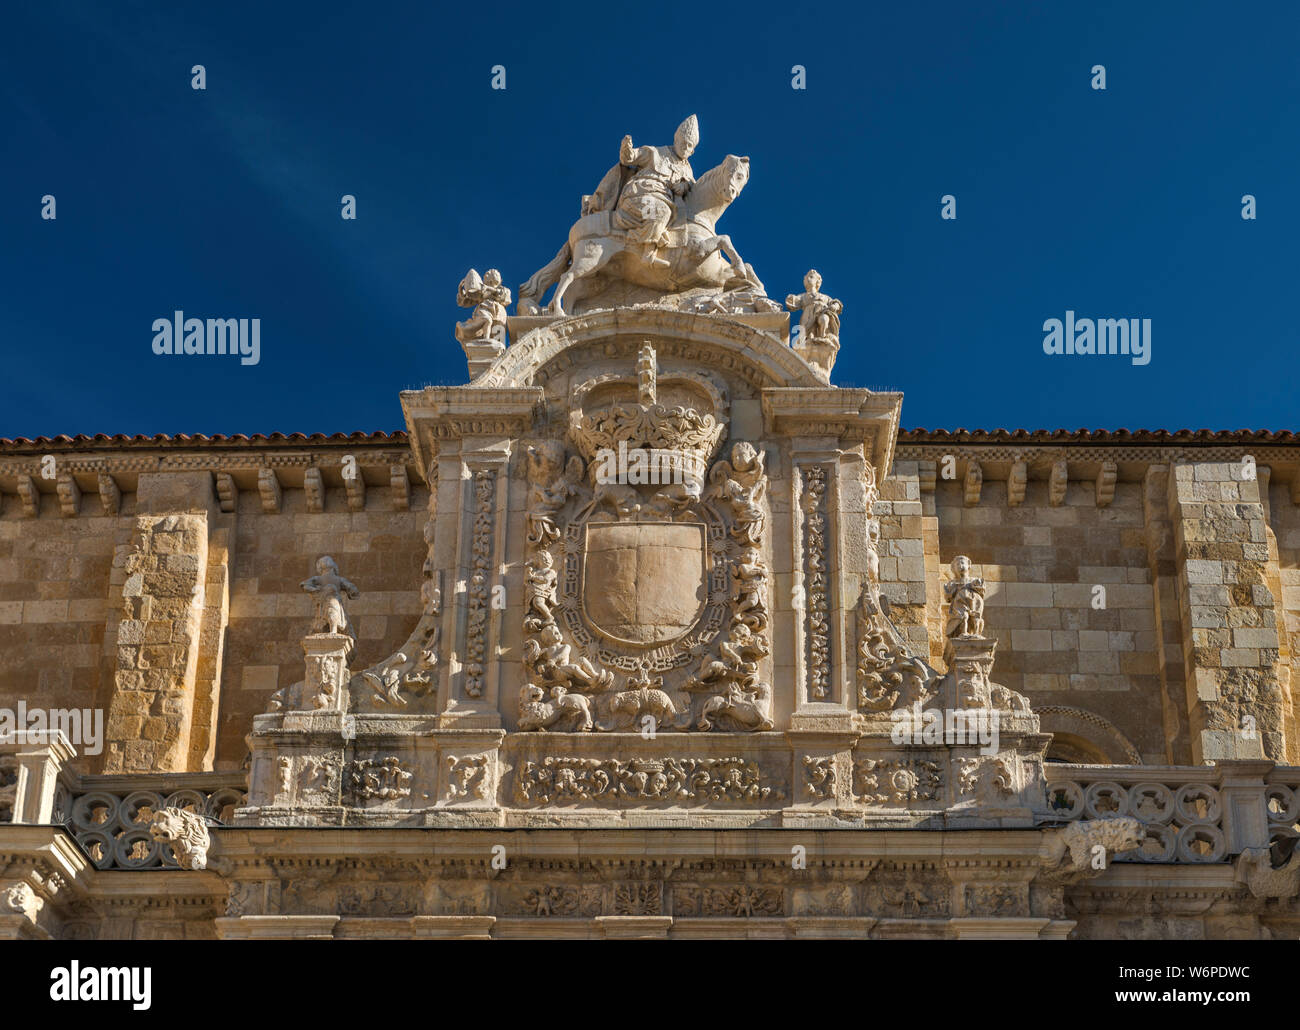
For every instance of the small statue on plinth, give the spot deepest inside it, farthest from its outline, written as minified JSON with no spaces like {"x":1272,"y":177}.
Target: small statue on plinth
{"x":818,"y":336}
{"x":965,"y":594}
{"x":483,"y":334}
{"x":328,"y":645}
{"x":328,"y":589}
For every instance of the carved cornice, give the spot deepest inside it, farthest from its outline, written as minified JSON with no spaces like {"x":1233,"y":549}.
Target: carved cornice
{"x":439,"y":413}
{"x":848,"y":415}
{"x":1085,"y":458}
{"x":97,"y":473}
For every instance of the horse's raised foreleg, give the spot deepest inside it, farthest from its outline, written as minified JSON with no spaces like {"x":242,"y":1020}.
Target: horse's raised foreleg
{"x":723,"y":243}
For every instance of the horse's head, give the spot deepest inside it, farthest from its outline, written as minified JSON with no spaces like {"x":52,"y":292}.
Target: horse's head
{"x":737,"y":174}
{"x":718,"y":187}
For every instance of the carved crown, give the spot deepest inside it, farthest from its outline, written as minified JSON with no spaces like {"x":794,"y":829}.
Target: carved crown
{"x":690,"y":418}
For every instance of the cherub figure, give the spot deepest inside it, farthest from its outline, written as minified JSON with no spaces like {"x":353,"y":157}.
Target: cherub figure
{"x":551,"y":487}
{"x":540,"y":582}
{"x":742,"y":483}
{"x":749,"y":591}
{"x":819,"y":323}
{"x":550,"y":658}
{"x":328,"y":588}
{"x":489,"y":298}
{"x":965,"y":595}
{"x":740,"y":655}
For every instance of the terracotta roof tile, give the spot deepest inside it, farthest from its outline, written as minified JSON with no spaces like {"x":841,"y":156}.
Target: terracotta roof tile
{"x":1108,"y":436}
{"x":918,"y":435}
{"x":198,"y":440}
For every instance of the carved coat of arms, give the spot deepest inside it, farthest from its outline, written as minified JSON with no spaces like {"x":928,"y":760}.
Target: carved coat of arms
{"x":644,"y":583}
{"x":647,"y":590}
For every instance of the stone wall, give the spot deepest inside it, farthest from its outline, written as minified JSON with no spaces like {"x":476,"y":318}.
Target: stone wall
{"x":382,"y":551}
{"x":1062,"y":641}
{"x":165,"y":590}
{"x":54,"y":587}
{"x":161,"y":584}
{"x":1196,"y":550}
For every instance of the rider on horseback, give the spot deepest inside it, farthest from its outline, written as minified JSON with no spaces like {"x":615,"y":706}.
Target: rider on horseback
{"x":642,"y":189}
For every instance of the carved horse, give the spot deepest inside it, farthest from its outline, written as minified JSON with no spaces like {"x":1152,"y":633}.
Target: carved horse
{"x":697,"y":256}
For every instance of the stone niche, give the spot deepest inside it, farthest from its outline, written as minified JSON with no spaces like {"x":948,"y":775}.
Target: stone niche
{"x":651,"y":595}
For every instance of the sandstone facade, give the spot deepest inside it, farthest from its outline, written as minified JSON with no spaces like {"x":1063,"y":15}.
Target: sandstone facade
{"x":475,"y":680}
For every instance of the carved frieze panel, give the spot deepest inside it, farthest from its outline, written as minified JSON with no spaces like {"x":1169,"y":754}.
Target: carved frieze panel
{"x":819,"y":777}
{"x":469,"y":777}
{"x":908,"y":892}
{"x":741,"y":901}
{"x":559,"y":900}
{"x":378,"y":780}
{"x":996,"y":899}
{"x":639,"y":899}
{"x":683,"y":782}
{"x":902,"y":781}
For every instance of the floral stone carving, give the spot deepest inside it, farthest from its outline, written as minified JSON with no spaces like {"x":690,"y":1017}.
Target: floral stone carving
{"x":684,"y":781}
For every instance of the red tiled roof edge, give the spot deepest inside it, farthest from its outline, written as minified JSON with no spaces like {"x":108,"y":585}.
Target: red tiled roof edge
{"x":200,"y":440}
{"x":1107,"y":436}
{"x":399,"y":437}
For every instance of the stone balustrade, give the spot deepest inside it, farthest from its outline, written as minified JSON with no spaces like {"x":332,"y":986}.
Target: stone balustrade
{"x":1192,"y":814}
{"x":109,"y":816}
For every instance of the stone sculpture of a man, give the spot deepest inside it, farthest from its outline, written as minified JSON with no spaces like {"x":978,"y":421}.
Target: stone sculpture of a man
{"x":328,"y":589}
{"x":965,"y":595}
{"x":819,"y":322}
{"x":642,"y":189}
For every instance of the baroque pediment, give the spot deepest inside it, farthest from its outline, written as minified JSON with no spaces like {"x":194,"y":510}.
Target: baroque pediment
{"x":545,"y":347}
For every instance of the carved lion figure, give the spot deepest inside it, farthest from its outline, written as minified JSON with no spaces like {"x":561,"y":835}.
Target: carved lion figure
{"x":536,"y":713}
{"x":739,"y":709}
{"x":646,"y":698}
{"x":1254,"y":868}
{"x":186,"y":832}
{"x":1116,"y":834}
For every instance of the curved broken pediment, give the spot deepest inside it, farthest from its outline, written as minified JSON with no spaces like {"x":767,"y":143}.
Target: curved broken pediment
{"x":545,"y":347}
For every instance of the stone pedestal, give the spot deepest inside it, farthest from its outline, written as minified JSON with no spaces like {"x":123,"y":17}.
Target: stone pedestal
{"x":1245,"y":812}
{"x":480,"y":354}
{"x":970,"y":665}
{"x":324,"y":689}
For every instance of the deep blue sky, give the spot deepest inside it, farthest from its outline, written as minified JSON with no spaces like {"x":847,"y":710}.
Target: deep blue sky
{"x":225,"y":203}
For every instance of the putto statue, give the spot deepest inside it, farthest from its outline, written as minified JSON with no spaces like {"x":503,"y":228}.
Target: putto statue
{"x":965,"y":594}
{"x":483,"y":334}
{"x":818,"y":335}
{"x":648,"y":231}
{"x":328,"y":589}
